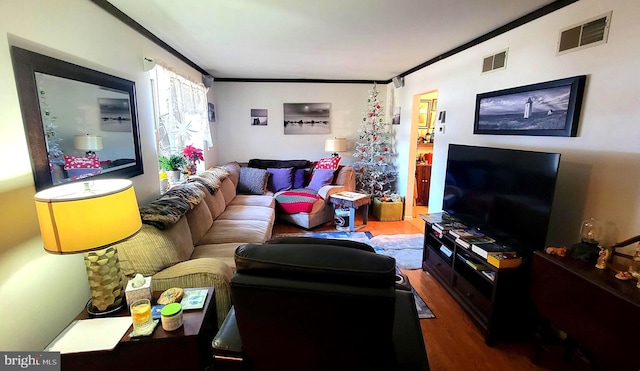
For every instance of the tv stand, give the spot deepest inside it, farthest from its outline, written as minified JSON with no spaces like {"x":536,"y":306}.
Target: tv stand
{"x":499,"y":307}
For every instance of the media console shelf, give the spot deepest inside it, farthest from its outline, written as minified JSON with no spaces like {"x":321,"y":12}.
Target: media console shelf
{"x":499,"y":307}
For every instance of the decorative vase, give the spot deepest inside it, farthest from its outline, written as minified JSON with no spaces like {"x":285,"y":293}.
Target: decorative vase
{"x":173,"y":175}
{"x":192,"y":168}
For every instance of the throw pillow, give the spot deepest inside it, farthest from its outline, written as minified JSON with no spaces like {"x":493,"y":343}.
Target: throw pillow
{"x":321,"y":177}
{"x":328,"y":163}
{"x":299,"y":178}
{"x":280,"y":179}
{"x":73,"y":162}
{"x":252,"y":181}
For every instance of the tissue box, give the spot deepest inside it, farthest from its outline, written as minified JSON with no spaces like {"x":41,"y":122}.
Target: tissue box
{"x":138,"y":293}
{"x":387,"y":211}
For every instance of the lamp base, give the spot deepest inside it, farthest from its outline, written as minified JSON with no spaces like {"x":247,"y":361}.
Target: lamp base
{"x":106,"y":282}
{"x":94,"y":312}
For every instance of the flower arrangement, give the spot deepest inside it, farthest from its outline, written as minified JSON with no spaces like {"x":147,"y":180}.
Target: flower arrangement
{"x":193,"y":155}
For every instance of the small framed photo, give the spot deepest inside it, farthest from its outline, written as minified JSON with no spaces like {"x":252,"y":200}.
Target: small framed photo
{"x":395,"y":120}
{"x":258,"y":117}
{"x":212,"y":112}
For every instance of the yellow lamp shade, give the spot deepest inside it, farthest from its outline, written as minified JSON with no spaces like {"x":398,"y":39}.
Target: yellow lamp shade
{"x":80,"y":217}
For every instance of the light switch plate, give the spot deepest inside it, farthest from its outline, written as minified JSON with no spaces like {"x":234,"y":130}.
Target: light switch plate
{"x":441,"y":129}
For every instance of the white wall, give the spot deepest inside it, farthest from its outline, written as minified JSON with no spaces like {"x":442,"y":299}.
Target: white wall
{"x":239,"y":141}
{"x":599,"y":174}
{"x":42,"y":293}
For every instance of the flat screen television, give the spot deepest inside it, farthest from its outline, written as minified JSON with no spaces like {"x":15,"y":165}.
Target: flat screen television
{"x":505,"y":193}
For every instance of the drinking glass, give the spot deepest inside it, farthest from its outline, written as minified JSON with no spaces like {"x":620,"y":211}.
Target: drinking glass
{"x":141,"y":316}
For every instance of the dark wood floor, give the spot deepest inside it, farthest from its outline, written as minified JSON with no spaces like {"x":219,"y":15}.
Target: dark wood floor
{"x":453,"y":342}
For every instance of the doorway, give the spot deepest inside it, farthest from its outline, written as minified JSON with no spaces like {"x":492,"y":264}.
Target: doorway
{"x":425,"y":107}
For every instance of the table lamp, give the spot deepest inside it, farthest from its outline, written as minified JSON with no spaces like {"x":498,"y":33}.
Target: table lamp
{"x":89,"y":143}
{"x":335,"y":145}
{"x":91,"y":218}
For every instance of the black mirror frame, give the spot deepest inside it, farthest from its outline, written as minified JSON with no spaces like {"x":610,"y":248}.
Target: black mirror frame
{"x":25,"y":64}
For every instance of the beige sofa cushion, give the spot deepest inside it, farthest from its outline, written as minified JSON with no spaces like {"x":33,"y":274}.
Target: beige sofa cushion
{"x":200,"y":221}
{"x":346,"y":177}
{"x":248,"y":213}
{"x":203,"y":272}
{"x":224,"y":252}
{"x":244,"y":231}
{"x":152,"y":250}
{"x":234,"y":172}
{"x":216,"y":204}
{"x":254,"y":200}
{"x":228,"y":190}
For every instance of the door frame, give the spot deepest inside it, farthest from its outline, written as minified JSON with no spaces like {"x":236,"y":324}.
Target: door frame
{"x":413,"y":151}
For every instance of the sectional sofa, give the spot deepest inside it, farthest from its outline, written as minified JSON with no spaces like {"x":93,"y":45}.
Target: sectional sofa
{"x":318,"y":209}
{"x":190,"y":234}
{"x":196,"y":249}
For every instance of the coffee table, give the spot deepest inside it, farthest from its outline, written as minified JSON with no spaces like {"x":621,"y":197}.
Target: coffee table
{"x":187,"y":348}
{"x":353,"y":201}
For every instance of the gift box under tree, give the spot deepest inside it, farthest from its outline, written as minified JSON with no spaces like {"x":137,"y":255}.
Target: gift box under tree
{"x":388,"y":211}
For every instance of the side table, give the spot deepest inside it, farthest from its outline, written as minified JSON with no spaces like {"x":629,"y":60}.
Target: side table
{"x":187,"y":348}
{"x":353,"y":201}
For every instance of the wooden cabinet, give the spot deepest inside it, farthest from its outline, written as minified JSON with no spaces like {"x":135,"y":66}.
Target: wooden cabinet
{"x":423,"y":182}
{"x":499,"y":307}
{"x":594,"y":308}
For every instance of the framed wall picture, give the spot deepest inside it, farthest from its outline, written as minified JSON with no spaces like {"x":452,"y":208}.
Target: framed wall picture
{"x":307,"y":118}
{"x":258,"y":117}
{"x":115,"y":114}
{"x":395,"y":119}
{"x":550,"y":108}
{"x":212,"y":112}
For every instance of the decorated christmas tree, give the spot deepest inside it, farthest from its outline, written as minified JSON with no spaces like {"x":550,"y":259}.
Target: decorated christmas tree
{"x":375,"y":173}
{"x":52,"y":139}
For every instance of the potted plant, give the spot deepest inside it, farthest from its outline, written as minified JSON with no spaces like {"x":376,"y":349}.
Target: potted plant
{"x":193,"y":155}
{"x":172,"y":166}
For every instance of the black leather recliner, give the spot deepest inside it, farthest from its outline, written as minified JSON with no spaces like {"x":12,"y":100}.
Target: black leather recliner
{"x":318,"y":304}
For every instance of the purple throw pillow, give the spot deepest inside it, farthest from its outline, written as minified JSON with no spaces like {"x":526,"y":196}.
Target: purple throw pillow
{"x":281,"y":179}
{"x":321,"y":177}
{"x":299,"y":176}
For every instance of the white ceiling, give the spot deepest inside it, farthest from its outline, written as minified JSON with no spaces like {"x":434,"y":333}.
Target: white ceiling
{"x":321,"y":39}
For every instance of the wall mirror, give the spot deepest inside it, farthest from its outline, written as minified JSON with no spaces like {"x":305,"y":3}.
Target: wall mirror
{"x":80,"y":123}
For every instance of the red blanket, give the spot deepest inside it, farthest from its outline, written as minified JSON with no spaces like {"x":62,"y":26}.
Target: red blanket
{"x":297,"y":200}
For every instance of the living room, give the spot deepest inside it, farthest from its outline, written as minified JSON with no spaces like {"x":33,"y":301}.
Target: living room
{"x":597,"y":179}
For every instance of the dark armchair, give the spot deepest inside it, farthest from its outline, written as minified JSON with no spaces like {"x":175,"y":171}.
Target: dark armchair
{"x":317,"y":304}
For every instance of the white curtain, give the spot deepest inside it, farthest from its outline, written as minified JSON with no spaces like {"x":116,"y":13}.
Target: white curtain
{"x":181,"y":113}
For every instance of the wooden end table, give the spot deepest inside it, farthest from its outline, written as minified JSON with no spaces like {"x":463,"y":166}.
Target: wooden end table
{"x":353,"y":201}
{"x":187,"y":348}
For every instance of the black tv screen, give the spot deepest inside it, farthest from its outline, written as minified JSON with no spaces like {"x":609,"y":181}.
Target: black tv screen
{"x":505,"y":193}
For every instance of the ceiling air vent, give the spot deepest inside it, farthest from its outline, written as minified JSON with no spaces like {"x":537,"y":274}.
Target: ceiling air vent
{"x":494,"y":62}
{"x":589,"y":33}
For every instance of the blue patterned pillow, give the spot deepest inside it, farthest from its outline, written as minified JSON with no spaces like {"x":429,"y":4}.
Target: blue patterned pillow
{"x":253,"y":181}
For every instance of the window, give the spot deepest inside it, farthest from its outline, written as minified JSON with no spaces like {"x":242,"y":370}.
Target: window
{"x":181,"y":113}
